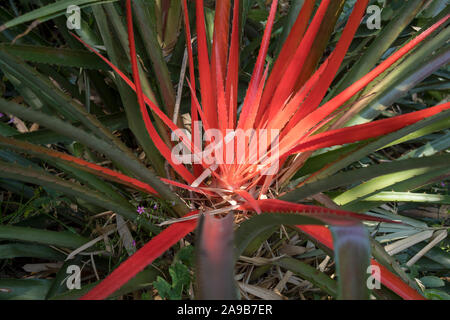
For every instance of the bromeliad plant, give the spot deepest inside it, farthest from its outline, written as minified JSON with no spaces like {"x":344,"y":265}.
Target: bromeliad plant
{"x":246,"y":168}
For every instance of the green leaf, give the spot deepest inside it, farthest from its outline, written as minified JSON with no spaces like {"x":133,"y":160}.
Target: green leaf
{"x":214,"y":258}
{"x":258,"y":241}
{"x":24,"y":289}
{"x":48,"y":12}
{"x":403,"y":77}
{"x":397,"y":169}
{"x":83,"y":175}
{"x":380,"y":254}
{"x":352,"y":256}
{"x":55,"y":238}
{"x":253,"y":227}
{"x":21,"y":250}
{"x":66,"y":129}
{"x":113,"y":122}
{"x":6,"y":130}
{"x":9,"y":35}
{"x":386,"y":196}
{"x":306,"y":272}
{"x":382,"y":181}
{"x":421,"y":128}
{"x":181,"y":278}
{"x":381,"y":43}
{"x":432,"y":282}
{"x":317,"y":162}
{"x":443,"y":123}
{"x":147,"y":30}
{"x":59,"y":284}
{"x":142,"y":280}
{"x":439,"y":144}
{"x":351,"y":245}
{"x":292,"y":15}
{"x":165,"y":289}
{"x":60,"y":102}
{"x":243,"y":14}
{"x":407,"y":181}
{"x":434,"y":294}
{"x":128,"y":97}
{"x":55,"y":56}
{"x":16,"y":172}
{"x":186,"y":256}
{"x":436,"y":254}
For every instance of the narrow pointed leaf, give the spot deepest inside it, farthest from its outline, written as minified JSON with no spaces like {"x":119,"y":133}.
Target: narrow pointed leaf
{"x":55,"y":238}
{"x":40,"y":177}
{"x":352,"y":256}
{"x":80,"y":163}
{"x":55,"y":56}
{"x":321,"y":113}
{"x":67,"y":129}
{"x":357,"y":175}
{"x":309,"y":273}
{"x":390,"y":280}
{"x":22,"y":250}
{"x":49,"y":11}
{"x":163,"y":148}
{"x":214,"y":267}
{"x":367,"y":130}
{"x":381,"y":43}
{"x":142,"y":258}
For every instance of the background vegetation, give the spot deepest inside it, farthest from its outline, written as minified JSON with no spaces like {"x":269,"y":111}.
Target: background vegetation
{"x":50,"y":210}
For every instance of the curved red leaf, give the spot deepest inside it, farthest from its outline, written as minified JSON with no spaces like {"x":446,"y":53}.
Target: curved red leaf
{"x":142,"y":258}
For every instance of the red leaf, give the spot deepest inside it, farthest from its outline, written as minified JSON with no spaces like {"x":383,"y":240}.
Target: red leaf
{"x":231,"y":87}
{"x":324,"y":236}
{"x":159,"y":143}
{"x":194,"y":113}
{"x":206,"y":79}
{"x":333,"y":63}
{"x":187,"y":27}
{"x":219,"y":50}
{"x":222,"y":107}
{"x":314,"y":118}
{"x":256,"y":79}
{"x":184,"y":186}
{"x":288,"y":50}
{"x":142,"y":258}
{"x":366,"y":130}
{"x":294,"y":68}
{"x":152,"y":132}
{"x":84,"y":165}
{"x":336,"y":217}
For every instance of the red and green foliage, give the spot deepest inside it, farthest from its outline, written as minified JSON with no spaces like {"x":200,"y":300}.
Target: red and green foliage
{"x":291,"y":96}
